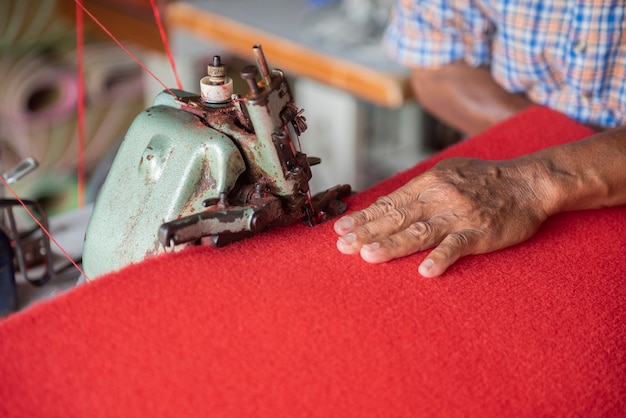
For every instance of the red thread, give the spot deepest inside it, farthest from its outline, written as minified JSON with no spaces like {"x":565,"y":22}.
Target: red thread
{"x":130,"y":54}
{"x":166,"y":45}
{"x":42,"y":228}
{"x":80,"y":43}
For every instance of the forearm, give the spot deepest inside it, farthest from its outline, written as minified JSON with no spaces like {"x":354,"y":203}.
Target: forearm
{"x":586,"y":174}
{"x":465,"y":97}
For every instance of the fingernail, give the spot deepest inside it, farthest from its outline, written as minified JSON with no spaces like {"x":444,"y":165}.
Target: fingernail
{"x":348,"y":238}
{"x":373,"y":246}
{"x":426,"y":266}
{"x":345,"y":223}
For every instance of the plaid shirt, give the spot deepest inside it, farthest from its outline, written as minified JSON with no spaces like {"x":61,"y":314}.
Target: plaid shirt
{"x":568,"y":55}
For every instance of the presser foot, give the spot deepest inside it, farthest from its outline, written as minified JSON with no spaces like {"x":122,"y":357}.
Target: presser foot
{"x":327,"y":205}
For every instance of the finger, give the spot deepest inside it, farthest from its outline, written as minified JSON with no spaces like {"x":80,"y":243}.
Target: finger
{"x":347,"y":244}
{"x":348,"y":223}
{"x":382,"y":229}
{"x":453,"y":247}
{"x":399,"y":198}
{"x":344,"y":225}
{"x":417,"y":237}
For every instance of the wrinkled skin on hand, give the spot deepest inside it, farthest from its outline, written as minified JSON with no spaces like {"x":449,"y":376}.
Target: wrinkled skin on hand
{"x":461,"y":206}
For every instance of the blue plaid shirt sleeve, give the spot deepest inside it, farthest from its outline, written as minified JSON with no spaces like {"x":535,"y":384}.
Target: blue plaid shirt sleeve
{"x":570,"y":56}
{"x":432,"y":34}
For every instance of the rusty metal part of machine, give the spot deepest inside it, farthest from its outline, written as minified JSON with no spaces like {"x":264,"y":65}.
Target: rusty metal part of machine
{"x":24,"y":249}
{"x":208,"y":169}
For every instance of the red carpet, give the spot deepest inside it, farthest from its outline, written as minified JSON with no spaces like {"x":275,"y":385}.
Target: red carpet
{"x":284,"y":325}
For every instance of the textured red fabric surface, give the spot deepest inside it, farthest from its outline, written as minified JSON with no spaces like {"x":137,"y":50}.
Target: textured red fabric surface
{"x":284,"y":325}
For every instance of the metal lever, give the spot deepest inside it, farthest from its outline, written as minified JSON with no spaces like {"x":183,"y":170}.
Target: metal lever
{"x":262,"y":64}
{"x":26,"y":166}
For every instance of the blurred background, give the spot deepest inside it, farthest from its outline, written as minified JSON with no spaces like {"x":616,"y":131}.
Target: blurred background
{"x":363,"y":131}
{"x":38,"y":119}
{"x":39,"y":96}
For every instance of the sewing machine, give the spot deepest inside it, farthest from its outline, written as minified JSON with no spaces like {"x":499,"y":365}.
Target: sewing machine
{"x":208,"y":169}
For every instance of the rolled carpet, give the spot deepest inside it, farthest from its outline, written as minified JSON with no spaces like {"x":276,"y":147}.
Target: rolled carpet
{"x":282,"y":324}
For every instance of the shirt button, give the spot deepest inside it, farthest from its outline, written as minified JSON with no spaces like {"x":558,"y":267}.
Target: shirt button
{"x":580,"y":47}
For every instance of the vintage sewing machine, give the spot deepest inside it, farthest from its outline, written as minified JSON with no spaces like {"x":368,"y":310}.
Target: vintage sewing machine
{"x":208,"y":169}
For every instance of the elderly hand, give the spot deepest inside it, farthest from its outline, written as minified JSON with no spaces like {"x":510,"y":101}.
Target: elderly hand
{"x":461,"y":206}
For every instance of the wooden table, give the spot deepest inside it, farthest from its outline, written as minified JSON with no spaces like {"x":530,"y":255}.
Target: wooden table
{"x":278,"y":26}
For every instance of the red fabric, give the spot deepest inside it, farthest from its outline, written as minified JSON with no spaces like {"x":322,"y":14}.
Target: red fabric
{"x":284,"y":325}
